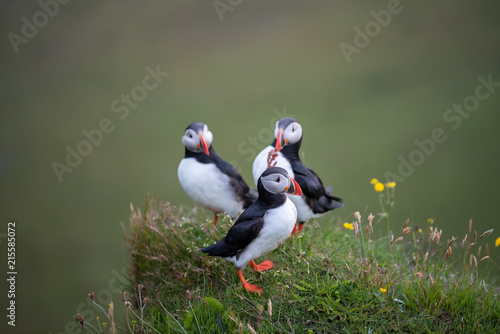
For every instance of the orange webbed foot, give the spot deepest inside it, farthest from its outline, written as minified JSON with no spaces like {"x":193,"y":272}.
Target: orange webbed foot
{"x":263,"y":266}
{"x":249,"y":287}
{"x":252,"y":288}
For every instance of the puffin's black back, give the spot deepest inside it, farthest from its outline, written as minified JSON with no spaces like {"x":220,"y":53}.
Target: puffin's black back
{"x":315,"y":194}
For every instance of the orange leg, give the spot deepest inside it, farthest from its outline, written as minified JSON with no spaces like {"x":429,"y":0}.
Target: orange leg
{"x":263,"y":266}
{"x":297,"y":228}
{"x":249,"y":287}
{"x":216,"y":218}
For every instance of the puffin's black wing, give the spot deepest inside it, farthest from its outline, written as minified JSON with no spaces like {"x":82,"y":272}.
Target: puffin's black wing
{"x":243,"y":191}
{"x":315,"y":193}
{"x":242,"y":233}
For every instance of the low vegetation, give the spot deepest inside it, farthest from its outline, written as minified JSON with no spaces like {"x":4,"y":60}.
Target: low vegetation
{"x":335,"y":277}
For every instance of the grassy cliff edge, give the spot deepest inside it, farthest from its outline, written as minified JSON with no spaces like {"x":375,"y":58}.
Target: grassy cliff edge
{"x":332,"y":278}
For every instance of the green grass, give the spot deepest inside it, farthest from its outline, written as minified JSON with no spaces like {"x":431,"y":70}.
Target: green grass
{"x":326,"y":280}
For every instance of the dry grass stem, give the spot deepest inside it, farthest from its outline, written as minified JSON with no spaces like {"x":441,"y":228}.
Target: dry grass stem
{"x":486,"y":233}
{"x":448,"y":253}
{"x":463,"y":241}
{"x":451,"y":241}
{"x":405,"y":223}
{"x":470,"y":246}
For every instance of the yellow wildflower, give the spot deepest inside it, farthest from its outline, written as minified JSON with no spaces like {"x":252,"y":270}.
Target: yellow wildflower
{"x":430,"y":220}
{"x":373,"y":181}
{"x":383,"y":290}
{"x":348,"y":226}
{"x":419,"y":230}
{"x":497,"y":242}
{"x":391,"y":184}
{"x":379,"y":187}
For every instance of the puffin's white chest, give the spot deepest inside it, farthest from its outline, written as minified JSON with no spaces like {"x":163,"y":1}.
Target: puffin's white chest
{"x":208,"y":186}
{"x":260,"y":163}
{"x":278,"y":225}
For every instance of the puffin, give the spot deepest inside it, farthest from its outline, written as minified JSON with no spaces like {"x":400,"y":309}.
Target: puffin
{"x":284,"y":152}
{"x":209,"y":180}
{"x":262,"y":227}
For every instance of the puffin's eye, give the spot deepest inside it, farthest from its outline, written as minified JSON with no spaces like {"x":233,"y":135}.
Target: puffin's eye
{"x":293,"y":129}
{"x":277,"y":179}
{"x":190,"y":135}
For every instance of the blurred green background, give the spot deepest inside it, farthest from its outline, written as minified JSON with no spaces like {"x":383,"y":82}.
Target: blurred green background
{"x":358,"y":117}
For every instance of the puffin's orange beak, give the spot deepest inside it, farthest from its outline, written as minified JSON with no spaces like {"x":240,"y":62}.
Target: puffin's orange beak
{"x":294,"y":188}
{"x":204,"y":144}
{"x":279,"y":141}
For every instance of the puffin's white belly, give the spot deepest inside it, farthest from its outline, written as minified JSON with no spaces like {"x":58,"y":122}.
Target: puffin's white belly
{"x":278,"y":225}
{"x":208,"y":186}
{"x":260,"y":163}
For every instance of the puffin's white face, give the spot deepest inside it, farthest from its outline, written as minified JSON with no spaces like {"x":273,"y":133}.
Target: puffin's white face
{"x":198,"y":142}
{"x":291,"y":134}
{"x":279,"y":182}
{"x":275,"y":183}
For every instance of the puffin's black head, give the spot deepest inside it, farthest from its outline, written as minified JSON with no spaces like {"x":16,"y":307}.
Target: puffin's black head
{"x":276,"y":180}
{"x":287,"y":132}
{"x":197,"y":138}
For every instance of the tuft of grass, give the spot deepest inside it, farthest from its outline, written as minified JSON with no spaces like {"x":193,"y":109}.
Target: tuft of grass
{"x":335,"y":277}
